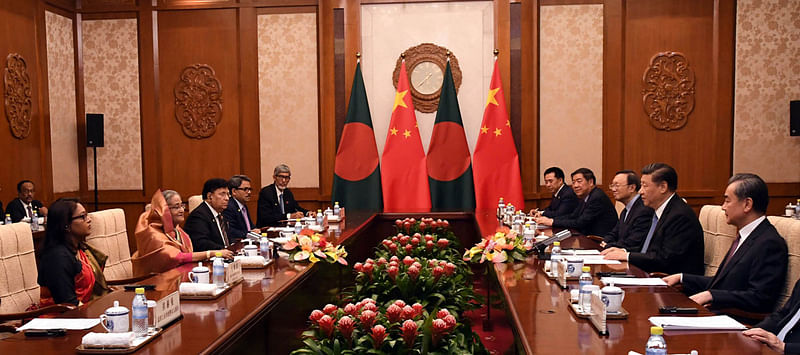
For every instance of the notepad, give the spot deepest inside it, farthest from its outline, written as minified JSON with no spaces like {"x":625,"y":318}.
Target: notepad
{"x":697,"y":323}
{"x":60,"y":323}
{"x":634,"y":281}
{"x":581,"y":252}
{"x":596,"y":261}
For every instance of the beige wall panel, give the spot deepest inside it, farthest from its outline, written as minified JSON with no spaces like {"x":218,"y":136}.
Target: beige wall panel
{"x":465,"y":28}
{"x":767,"y":78}
{"x":111,"y":87}
{"x":61,"y":87}
{"x":571,"y":88}
{"x":287,"y":96}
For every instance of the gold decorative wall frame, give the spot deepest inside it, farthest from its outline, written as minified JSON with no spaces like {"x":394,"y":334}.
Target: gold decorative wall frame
{"x":668,"y":92}
{"x":422,"y":57}
{"x":198,"y":101}
{"x":17,"y":85}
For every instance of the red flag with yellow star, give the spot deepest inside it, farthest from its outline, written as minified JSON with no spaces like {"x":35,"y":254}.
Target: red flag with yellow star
{"x":495,"y":163}
{"x":404,"y":177}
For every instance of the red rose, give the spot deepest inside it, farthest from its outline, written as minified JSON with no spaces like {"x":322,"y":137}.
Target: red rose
{"x":369,"y":261}
{"x":428,"y":237}
{"x":437,"y":272}
{"x":442,"y":243}
{"x":394,"y":263}
{"x":409,"y":332}
{"x":450,"y":320}
{"x":413,"y":272}
{"x":394,"y":239}
{"x":412,"y":220}
{"x":434,"y":225}
{"x":422,"y":225}
{"x":392,"y":271}
{"x":350,"y":309}
{"x":316,"y":315}
{"x":393,"y":248}
{"x":358,"y":267}
{"x":429,"y":245}
{"x":382,"y":261}
{"x":442,"y":313}
{"x":378,"y":334}
{"x":329,"y":309}
{"x":415,"y":241}
{"x":368,"y":269}
{"x":449,"y":268}
{"x":346,"y":325}
{"x":408,"y":260}
{"x":404,"y":240}
{"x":393,"y":313}
{"x":445,"y":224}
{"x":407,"y":226}
{"x":398,"y":223}
{"x":417,"y":265}
{"x":409,"y":248}
{"x":367,"y":318}
{"x":400,"y":303}
{"x":326,"y":325}
{"x":394,"y":258}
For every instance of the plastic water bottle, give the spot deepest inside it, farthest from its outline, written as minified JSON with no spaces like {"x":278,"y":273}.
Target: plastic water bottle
{"x":8,"y":219}
{"x":796,"y":210}
{"x":263,"y":244}
{"x":298,"y":226}
{"x":656,"y":345}
{"x":501,"y":208}
{"x":139,"y":308}
{"x":34,"y":221}
{"x":336,"y":209}
{"x":219,"y":271}
{"x":555,"y":258}
{"x":585,"y":296}
{"x":320,"y":217}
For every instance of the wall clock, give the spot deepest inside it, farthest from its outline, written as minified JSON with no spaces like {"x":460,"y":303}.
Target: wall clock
{"x":426,"y":64}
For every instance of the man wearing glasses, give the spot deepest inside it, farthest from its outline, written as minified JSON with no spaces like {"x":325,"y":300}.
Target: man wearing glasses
{"x":275,"y":201}
{"x":634,"y":221}
{"x":237,"y":215}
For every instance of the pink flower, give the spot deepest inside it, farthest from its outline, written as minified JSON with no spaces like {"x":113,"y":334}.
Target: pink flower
{"x":346,"y":325}
{"x":316,"y":315}
{"x":422,"y":225}
{"x":368,"y":269}
{"x":392,"y":271}
{"x":428,"y":237}
{"x":437,"y":272}
{"x":358,"y":267}
{"x":382,"y":261}
{"x":409,"y":248}
{"x":400,"y":303}
{"x":431,"y":262}
{"x":369,"y":261}
{"x":326,"y":325}
{"x":417,"y":308}
{"x":409,"y":312}
{"x":417,"y":265}
{"x":394,"y":258}
{"x":440,"y":329}
{"x":329,"y":309}
{"x":404,"y":240}
{"x":445,"y":223}
{"x":378,"y":334}
{"x":442,"y":313}
{"x":434,"y":224}
{"x":394,"y":239}
{"x":415,"y":241}
{"x":408,"y":260}
{"x":368,"y":300}
{"x":417,"y":235}
{"x":442,"y":263}
{"x":350,"y":309}
{"x":370,"y":307}
{"x":393,"y":263}
{"x":442,"y":243}
{"x":429,"y":245}
{"x":393,"y":313}
{"x":412,"y":220}
{"x":393,"y":248}
{"x":367,"y":318}
{"x":413,"y":272}
{"x":409,"y":332}
{"x":398,"y":222}
{"x":450,"y":320}
{"x":450,"y":268}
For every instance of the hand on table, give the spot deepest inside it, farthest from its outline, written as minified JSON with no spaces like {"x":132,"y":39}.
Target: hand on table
{"x":672,"y":280}
{"x":535,"y":212}
{"x":703,"y":298}
{"x":771,"y":340}
{"x":297,"y":215}
{"x":226,"y":254}
{"x":545,"y":221}
{"x":615,"y":253}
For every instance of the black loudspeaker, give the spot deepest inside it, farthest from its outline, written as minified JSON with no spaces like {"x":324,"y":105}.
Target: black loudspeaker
{"x":794,"y":118}
{"x":94,"y":129}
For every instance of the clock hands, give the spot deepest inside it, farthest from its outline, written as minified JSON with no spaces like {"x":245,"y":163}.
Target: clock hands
{"x":424,"y":80}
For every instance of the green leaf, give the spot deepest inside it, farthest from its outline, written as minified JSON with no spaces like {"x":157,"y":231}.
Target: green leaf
{"x":312,"y":344}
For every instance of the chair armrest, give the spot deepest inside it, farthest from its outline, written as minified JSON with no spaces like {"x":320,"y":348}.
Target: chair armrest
{"x":129,"y":280}
{"x":56,"y":308}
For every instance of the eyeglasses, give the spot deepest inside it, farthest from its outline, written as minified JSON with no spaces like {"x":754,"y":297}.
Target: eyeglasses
{"x":615,"y":186}
{"x":80,"y":216}
{"x":284,"y":177}
{"x":181,"y":206}
{"x":246,"y":189}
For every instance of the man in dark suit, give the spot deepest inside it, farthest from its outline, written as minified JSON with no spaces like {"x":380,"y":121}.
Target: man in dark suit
{"x":206,"y":225}
{"x":564,"y":200}
{"x":634,"y":221}
{"x":779,"y":331}
{"x":24,"y":205}
{"x":595,"y":214}
{"x":239,"y":222}
{"x":752,"y":274}
{"x":674,"y":242}
{"x":276,"y":200}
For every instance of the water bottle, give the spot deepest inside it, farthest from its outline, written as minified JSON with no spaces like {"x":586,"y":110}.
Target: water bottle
{"x":139,"y":308}
{"x":336,"y":209}
{"x":263,"y":244}
{"x":320,"y":217}
{"x":585,"y":296}
{"x":528,"y":236}
{"x":34,"y":221}
{"x":219,"y":271}
{"x":796,"y":210}
{"x":8,"y":219}
{"x":501,"y":209}
{"x":555,"y":258}
{"x":656,"y":345}
{"x":298,"y":226}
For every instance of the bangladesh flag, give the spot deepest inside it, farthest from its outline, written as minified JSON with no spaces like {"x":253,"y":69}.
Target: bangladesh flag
{"x":449,"y":163}
{"x":357,"y":173}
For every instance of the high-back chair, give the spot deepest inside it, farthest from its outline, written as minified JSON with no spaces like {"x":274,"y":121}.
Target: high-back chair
{"x":110,"y":236}
{"x":194,"y":201}
{"x":789,"y":229}
{"x":718,"y":236}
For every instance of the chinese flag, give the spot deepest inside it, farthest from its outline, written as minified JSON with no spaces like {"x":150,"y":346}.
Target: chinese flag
{"x":495,"y":160}
{"x":403,"y":175}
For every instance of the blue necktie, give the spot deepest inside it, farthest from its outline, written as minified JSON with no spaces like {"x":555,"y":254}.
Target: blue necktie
{"x":280,"y":201}
{"x":650,"y":233}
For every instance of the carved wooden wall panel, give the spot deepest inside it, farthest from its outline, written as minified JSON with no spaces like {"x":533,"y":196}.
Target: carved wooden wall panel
{"x":198,"y":101}
{"x":17,"y":88}
{"x":668,"y":93}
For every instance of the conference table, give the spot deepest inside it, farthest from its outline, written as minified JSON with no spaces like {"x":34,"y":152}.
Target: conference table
{"x":268,"y":310}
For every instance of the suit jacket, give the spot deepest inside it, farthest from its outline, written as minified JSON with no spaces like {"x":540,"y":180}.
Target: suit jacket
{"x":752,"y":279}
{"x":596,"y":216}
{"x":202,"y":229}
{"x":563,"y":203}
{"x":17,"y":210}
{"x":269,"y":212}
{"x":775,"y":322}
{"x":630,"y":233}
{"x":677,"y":243}
{"x":237,"y":228}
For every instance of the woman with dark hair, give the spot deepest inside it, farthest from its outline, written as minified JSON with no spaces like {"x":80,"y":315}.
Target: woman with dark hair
{"x":70,"y":271}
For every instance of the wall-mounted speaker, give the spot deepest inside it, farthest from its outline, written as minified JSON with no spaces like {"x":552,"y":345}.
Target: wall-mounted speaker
{"x":794,"y":118}
{"x":94,"y":129}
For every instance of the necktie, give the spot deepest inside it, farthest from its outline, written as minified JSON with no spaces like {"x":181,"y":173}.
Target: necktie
{"x":624,"y":214}
{"x":30,"y":212}
{"x":650,"y":233}
{"x":789,"y":325}
{"x":223,"y":229}
{"x":732,"y":250}
{"x":280,"y":202}
{"x":246,"y":218}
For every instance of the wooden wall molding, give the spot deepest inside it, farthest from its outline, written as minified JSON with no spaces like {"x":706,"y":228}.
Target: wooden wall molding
{"x":668,"y":93}
{"x":198,"y":101}
{"x":17,"y":95}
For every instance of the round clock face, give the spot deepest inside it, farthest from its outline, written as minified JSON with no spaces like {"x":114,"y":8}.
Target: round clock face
{"x":426,"y":77}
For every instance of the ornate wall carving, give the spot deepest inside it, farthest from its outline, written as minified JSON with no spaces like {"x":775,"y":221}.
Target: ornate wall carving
{"x":17,"y":85}
{"x":198,"y":101}
{"x":427,"y":52}
{"x":668,"y":94}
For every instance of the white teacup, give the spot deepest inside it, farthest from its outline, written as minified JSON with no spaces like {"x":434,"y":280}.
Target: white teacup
{"x":574,"y":266}
{"x":612,"y":297}
{"x":115,"y":319}
{"x":250,"y":250}
{"x":199,"y":274}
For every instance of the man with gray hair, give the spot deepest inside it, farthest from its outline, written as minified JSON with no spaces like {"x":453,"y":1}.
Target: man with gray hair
{"x":275,"y":200}
{"x":237,"y":215}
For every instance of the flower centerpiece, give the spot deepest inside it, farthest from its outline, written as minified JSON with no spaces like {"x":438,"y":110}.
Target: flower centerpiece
{"x":505,"y":245}
{"x":312,"y":247}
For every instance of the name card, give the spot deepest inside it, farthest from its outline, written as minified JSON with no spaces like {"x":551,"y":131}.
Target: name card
{"x":562,"y":274}
{"x":598,"y":317}
{"x":167,"y":309}
{"x":233,"y":272}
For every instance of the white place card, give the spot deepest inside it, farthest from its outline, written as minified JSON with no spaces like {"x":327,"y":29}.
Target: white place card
{"x":167,"y":309}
